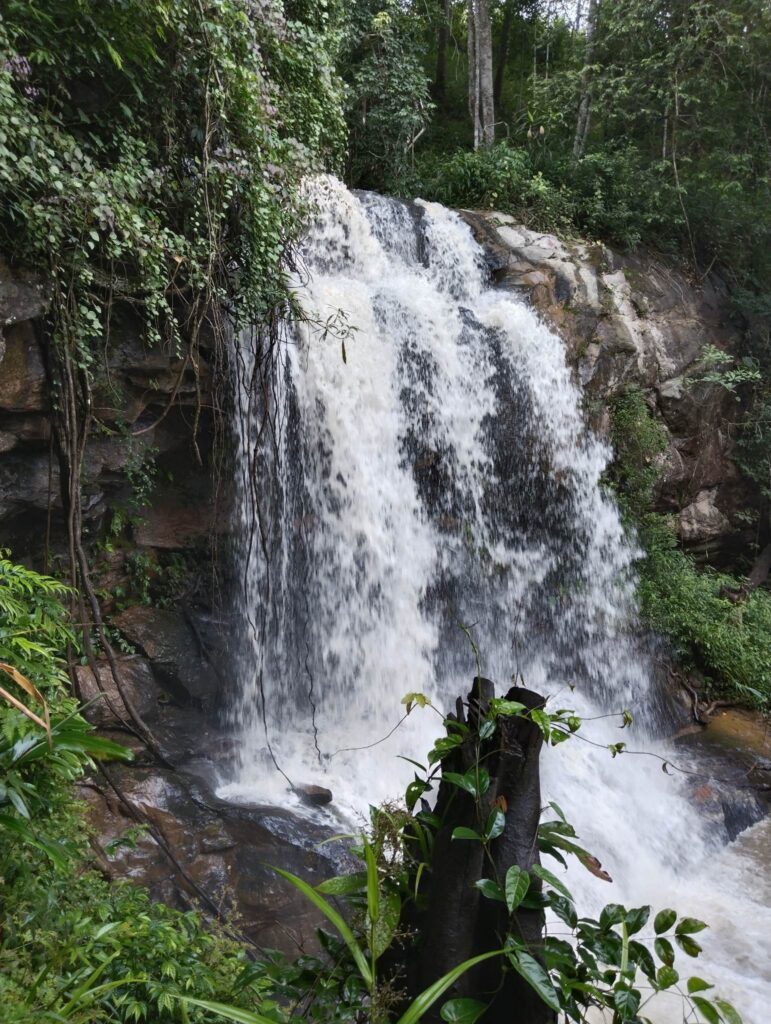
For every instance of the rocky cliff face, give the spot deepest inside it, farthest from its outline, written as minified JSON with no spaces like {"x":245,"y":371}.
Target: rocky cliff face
{"x":634,"y":321}
{"x":153,"y":517}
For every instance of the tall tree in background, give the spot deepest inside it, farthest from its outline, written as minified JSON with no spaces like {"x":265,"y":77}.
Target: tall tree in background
{"x":585,"y":103}
{"x":442,"y":44}
{"x":480,"y":71}
{"x":510,"y":8}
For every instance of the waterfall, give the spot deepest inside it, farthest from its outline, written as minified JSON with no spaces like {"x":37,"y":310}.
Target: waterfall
{"x":425,"y":476}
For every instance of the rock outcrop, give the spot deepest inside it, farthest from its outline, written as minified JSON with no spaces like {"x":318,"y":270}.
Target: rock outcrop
{"x":152,"y":518}
{"x":634,"y":321}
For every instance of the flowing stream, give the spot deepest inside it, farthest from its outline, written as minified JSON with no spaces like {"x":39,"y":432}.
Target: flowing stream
{"x":425,"y":475}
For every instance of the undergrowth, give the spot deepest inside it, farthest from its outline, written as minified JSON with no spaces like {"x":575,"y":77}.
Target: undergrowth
{"x":727,"y":641}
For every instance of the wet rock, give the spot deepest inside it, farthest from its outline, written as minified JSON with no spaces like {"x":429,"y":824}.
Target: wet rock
{"x":314,"y":796}
{"x":172,"y":525}
{"x":22,"y":373}
{"x":24,"y":295}
{"x":108,"y":709}
{"x":225,"y":849}
{"x":167,"y":638}
{"x":8,"y":441}
{"x":702,"y":520}
{"x":27,"y":482}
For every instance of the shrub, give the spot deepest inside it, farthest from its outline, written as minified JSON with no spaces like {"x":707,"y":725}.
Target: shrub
{"x":729,"y":643}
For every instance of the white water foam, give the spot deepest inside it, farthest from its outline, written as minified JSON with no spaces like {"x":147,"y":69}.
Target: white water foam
{"x":432,"y":469}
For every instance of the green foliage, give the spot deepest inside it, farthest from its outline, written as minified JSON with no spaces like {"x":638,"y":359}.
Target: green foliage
{"x":720,"y":368}
{"x":44,"y":743}
{"x":729,"y":642}
{"x":387,"y":102}
{"x":150,"y":152}
{"x":502,"y":178}
{"x":75,"y":947}
{"x":72,"y":946}
{"x":638,"y":442}
{"x":609,"y":964}
{"x":34,"y":624}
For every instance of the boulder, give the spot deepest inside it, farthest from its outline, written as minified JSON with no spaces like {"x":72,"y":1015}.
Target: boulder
{"x":702,"y":520}
{"x":314,"y":796}
{"x":27,"y":482}
{"x":173,"y":525}
{"x":24,"y":295}
{"x":167,"y":638}
{"x":138,"y":682}
{"x":22,"y":373}
{"x":637,"y":321}
{"x":8,"y":441}
{"x":226,"y":850}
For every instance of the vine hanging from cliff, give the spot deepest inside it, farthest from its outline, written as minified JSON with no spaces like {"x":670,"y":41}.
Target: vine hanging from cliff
{"x":150,"y":157}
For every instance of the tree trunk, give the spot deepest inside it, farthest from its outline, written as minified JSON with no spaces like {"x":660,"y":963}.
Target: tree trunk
{"x":585,"y":103}
{"x":442,"y":44}
{"x":503,"y":49}
{"x":480,"y":54}
{"x":459,"y":922}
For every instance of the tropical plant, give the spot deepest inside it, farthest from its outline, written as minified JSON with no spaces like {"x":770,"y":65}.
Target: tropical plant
{"x":605,"y":964}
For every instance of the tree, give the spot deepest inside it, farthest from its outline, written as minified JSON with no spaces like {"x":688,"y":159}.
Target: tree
{"x":442,"y":44}
{"x":585,"y":103}
{"x":480,"y":67}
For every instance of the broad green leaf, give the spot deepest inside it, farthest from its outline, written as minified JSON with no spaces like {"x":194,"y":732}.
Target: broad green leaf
{"x":495,"y":824}
{"x":640,"y":955}
{"x":461,"y":832}
{"x":516,"y":886}
{"x":664,"y":921}
{"x":343,"y":885}
{"x":698,"y":985}
{"x":527,"y":966}
{"x":553,"y":881}
{"x":387,"y":922}
{"x":612,"y":914}
{"x":415,"y":791}
{"x":636,"y":919}
{"x":689,"y":926}
{"x":423,"y":1003}
{"x":336,"y":919}
{"x":626,"y":1001}
{"x":475,"y":781}
{"x":500,"y":706}
{"x":706,"y":1010}
{"x":462,"y":1011}
{"x":564,"y":909}
{"x":688,"y":945}
{"x":490,"y":889}
{"x":666,"y":977}
{"x":728,"y":1012}
{"x":542,"y":720}
{"x":664,"y":951}
{"x":485,"y":732}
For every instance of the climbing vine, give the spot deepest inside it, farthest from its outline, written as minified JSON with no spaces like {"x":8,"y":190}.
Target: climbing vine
{"x":150,"y":157}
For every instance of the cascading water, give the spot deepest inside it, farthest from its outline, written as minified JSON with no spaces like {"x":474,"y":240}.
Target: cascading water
{"x":423,"y":466}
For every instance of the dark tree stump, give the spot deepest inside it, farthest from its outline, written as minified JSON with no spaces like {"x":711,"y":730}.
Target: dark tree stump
{"x":459,"y":922}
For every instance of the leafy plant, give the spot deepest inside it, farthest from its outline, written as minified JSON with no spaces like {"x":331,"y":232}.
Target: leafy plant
{"x":607,"y":964}
{"x":721,"y":368}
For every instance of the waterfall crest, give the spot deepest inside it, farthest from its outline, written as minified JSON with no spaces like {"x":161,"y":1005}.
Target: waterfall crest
{"x":429,"y":469}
